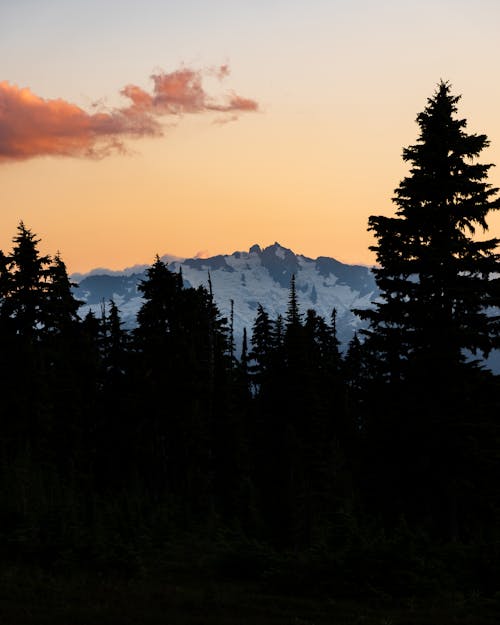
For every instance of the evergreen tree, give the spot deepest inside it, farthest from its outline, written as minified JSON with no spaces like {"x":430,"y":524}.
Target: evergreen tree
{"x":115,"y":429}
{"x":90,"y":361}
{"x":231,"y":345}
{"x":434,"y":277}
{"x":60,"y":357}
{"x":5,"y":279}
{"x":335,"y":356}
{"x":354,"y":373}
{"x":278,"y":336}
{"x":115,"y":350}
{"x":183,"y":373}
{"x":262,"y":345}
{"x":292,"y":314}
{"x":435,"y":281}
{"x":25,"y":284}
{"x":322,"y":347}
{"x":61,"y":307}
{"x":244,"y":363}
{"x":157,"y":315}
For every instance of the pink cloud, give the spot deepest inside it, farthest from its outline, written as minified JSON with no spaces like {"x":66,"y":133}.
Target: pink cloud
{"x":31,"y":126}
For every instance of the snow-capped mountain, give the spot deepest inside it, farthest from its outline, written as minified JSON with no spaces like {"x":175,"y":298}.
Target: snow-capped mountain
{"x":259,"y":276}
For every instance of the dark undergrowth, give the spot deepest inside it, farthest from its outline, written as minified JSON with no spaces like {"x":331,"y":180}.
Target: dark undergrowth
{"x":232,"y":581}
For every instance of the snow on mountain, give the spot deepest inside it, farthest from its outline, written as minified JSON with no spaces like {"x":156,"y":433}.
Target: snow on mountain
{"x":259,"y":276}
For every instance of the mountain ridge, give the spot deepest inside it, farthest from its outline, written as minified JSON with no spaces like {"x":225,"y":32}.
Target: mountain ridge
{"x":258,"y":276}
{"x":249,"y":278}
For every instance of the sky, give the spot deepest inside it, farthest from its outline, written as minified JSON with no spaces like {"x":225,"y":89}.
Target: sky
{"x":130,"y":129}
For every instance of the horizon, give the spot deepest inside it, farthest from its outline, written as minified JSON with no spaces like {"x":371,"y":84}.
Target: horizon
{"x":204,"y":255}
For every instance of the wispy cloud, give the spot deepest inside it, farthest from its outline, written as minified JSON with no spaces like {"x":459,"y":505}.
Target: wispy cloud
{"x":32,"y":126}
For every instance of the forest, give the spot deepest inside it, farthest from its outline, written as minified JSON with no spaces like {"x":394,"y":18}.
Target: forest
{"x":364,"y":473}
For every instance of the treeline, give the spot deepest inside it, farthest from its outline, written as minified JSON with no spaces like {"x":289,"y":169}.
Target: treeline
{"x":114,"y":442}
{"x":107,"y":433}
{"x":166,"y":416}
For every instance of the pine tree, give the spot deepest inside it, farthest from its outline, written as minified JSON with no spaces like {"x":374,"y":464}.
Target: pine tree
{"x":335,"y":356}
{"x":60,"y":357}
{"x":433,"y":275}
{"x":182,"y":368}
{"x":292,"y":314}
{"x":353,"y":364}
{"x":244,"y":362}
{"x":278,"y":334}
{"x":435,"y":281}
{"x":25,"y":285}
{"x":231,"y":344}
{"x":157,"y":317}
{"x":262,"y":345}
{"x":115,"y":349}
{"x":61,"y":306}
{"x":294,"y":344}
{"x":5,"y":279}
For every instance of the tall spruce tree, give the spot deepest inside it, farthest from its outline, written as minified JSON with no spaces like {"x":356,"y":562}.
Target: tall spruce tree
{"x":436,"y":284}
{"x":262,"y":346}
{"x":61,"y":307}
{"x":434,"y":276}
{"x":25,"y":285}
{"x":293,"y":316}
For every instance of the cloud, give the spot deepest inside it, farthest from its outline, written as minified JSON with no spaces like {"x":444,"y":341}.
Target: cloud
{"x":31,"y":126}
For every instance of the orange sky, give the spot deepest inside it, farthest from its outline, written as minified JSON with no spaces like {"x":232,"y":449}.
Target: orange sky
{"x":337,"y":90}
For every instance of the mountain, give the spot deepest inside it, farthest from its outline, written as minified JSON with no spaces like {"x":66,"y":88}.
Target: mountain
{"x":259,"y":276}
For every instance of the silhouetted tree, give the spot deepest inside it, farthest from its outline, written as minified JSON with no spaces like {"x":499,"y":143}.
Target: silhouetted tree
{"x":433,"y":276}
{"x":292,"y":313}
{"x":25,"y":284}
{"x":435,"y":287}
{"x":61,"y":306}
{"x":262,"y":346}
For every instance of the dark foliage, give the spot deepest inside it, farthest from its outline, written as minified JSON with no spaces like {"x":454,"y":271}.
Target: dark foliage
{"x":433,"y":417}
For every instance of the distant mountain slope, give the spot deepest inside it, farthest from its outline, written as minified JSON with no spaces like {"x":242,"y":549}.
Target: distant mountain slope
{"x":259,"y":276}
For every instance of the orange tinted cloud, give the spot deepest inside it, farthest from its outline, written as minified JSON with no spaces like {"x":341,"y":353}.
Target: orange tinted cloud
{"x":182,"y":92}
{"x":32,"y":126}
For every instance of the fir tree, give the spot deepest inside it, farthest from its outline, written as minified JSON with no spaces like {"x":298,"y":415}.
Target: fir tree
{"x":434,"y":277}
{"x":231,"y":344}
{"x":292,"y":314}
{"x":334,"y":341}
{"x":115,"y":350}
{"x":278,"y":333}
{"x":157,"y":314}
{"x":244,"y":360}
{"x":262,"y":345}
{"x":435,"y":281}
{"x":25,"y":284}
{"x":61,"y":308}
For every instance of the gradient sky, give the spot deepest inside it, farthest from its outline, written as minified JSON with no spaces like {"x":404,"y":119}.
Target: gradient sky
{"x":337,"y":85}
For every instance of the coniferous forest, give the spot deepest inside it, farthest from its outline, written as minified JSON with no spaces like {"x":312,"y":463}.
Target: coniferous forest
{"x":366,"y":473}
